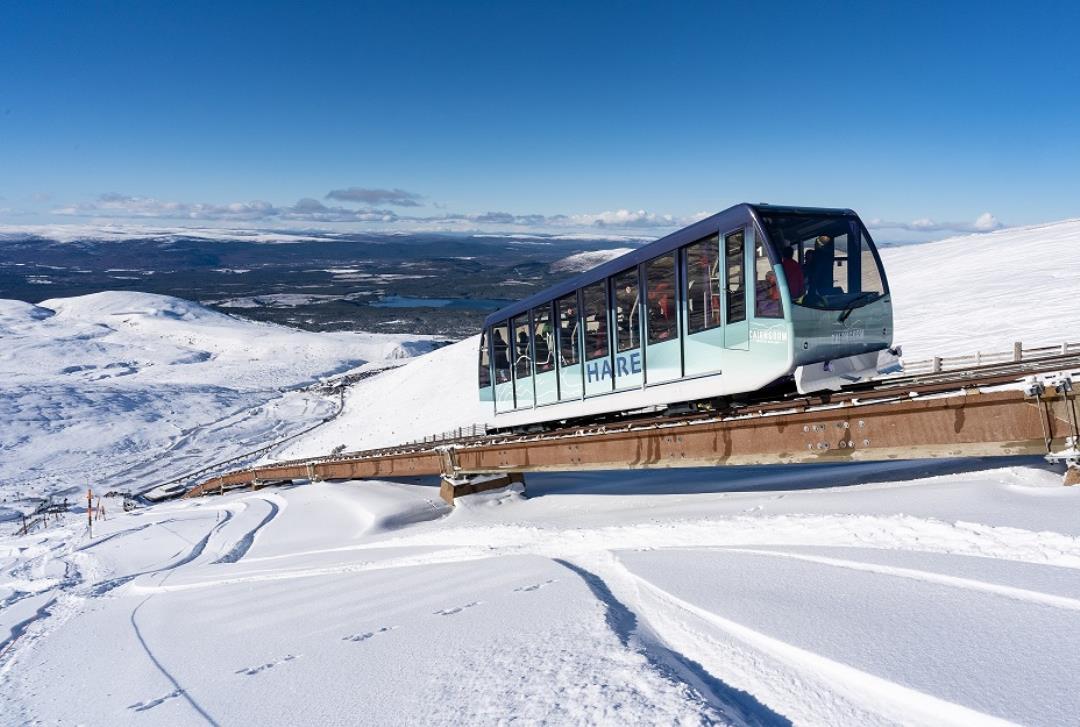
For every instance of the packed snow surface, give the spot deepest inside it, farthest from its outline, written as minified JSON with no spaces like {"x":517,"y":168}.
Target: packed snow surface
{"x":867,"y":594}
{"x":702,"y":597}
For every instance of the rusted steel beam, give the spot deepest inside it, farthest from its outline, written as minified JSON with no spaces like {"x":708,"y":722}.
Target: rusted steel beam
{"x":965,"y":424}
{"x":991,"y":424}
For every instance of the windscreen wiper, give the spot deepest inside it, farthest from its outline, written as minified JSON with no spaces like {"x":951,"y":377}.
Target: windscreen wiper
{"x":854,"y":303}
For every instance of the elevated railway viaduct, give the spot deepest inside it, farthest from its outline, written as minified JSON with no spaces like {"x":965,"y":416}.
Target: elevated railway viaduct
{"x":1007,"y":409}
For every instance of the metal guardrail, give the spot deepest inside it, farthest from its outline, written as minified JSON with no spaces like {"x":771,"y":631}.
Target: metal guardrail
{"x":452,"y":435}
{"x":1018,"y":353}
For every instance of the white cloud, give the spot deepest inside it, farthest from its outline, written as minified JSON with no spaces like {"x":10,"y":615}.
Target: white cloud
{"x":114,"y":205}
{"x":985,"y":222}
{"x":309,"y":210}
{"x":625,"y":219}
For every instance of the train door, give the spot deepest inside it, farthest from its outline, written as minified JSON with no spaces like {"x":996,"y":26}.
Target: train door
{"x":547,"y":380}
{"x":500,"y":359}
{"x":663,"y":351}
{"x":569,"y":342}
{"x":484,"y":367}
{"x":736,"y":326}
{"x":626,"y":314}
{"x":595,"y":320}
{"x":702,"y":286}
{"x":521,"y":330}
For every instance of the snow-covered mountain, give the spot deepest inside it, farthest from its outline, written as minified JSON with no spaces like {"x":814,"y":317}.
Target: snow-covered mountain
{"x":962,"y":294}
{"x":122,"y":390}
{"x":868,"y":594}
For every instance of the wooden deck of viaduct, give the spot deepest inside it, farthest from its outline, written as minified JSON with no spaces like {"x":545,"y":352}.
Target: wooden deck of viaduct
{"x":980,"y":415}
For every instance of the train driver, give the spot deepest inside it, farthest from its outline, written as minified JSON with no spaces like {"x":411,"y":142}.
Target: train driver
{"x":795,"y":279}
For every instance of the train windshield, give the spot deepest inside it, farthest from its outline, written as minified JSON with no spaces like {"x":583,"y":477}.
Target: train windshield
{"x":829,"y":261}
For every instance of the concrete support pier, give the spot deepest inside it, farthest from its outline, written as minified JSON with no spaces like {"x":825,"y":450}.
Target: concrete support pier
{"x":454,"y":487}
{"x":1072,"y":475}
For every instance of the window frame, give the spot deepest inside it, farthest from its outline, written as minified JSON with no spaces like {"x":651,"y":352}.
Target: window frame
{"x":553,"y":355}
{"x":741,"y":277}
{"x":527,"y":315}
{"x":574,"y":330}
{"x":673,"y":255}
{"x":483,"y":371}
{"x":688,"y":280}
{"x":504,"y":324}
{"x":605,"y":319}
{"x":633,"y":315}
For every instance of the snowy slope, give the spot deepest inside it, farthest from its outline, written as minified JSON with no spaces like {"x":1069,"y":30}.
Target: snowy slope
{"x":963,"y":294}
{"x":125,"y":389}
{"x":952,"y":600}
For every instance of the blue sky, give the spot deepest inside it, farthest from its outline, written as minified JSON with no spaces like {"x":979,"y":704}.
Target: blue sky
{"x":548,"y":114}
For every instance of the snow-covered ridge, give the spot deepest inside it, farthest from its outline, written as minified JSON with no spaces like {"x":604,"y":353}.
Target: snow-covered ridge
{"x":116,"y":389}
{"x":582,"y":261}
{"x":119,"y":233}
{"x":983,"y":292}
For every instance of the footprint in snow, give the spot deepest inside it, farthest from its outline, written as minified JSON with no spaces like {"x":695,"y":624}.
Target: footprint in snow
{"x":253,"y":670}
{"x":143,"y":706}
{"x":368,"y":634}
{"x":534,"y":586}
{"x":456,"y":609}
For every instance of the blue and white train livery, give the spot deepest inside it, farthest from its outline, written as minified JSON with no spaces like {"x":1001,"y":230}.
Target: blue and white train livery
{"x":750,"y":297}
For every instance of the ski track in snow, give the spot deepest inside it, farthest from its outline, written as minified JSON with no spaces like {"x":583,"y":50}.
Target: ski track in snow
{"x":734,"y":705}
{"x":242,"y":546}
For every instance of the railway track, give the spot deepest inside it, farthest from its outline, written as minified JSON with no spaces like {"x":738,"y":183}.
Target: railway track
{"x":974,"y":411}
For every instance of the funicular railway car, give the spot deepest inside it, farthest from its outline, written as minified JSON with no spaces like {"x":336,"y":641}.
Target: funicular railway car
{"x":755,"y":296}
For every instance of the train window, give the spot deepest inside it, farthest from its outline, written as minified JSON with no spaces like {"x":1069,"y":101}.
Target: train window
{"x":869,"y":282}
{"x":522,"y":346}
{"x":627,"y":311}
{"x":767,"y":302}
{"x":569,"y":353}
{"x":661,"y":319}
{"x":485,"y":360}
{"x":500,"y":352}
{"x":832,"y":254}
{"x":736,"y":296}
{"x":544,"y":343}
{"x":596,"y":320}
{"x":703,"y":284}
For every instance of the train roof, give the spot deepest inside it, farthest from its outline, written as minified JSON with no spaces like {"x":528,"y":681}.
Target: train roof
{"x":729,"y":219}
